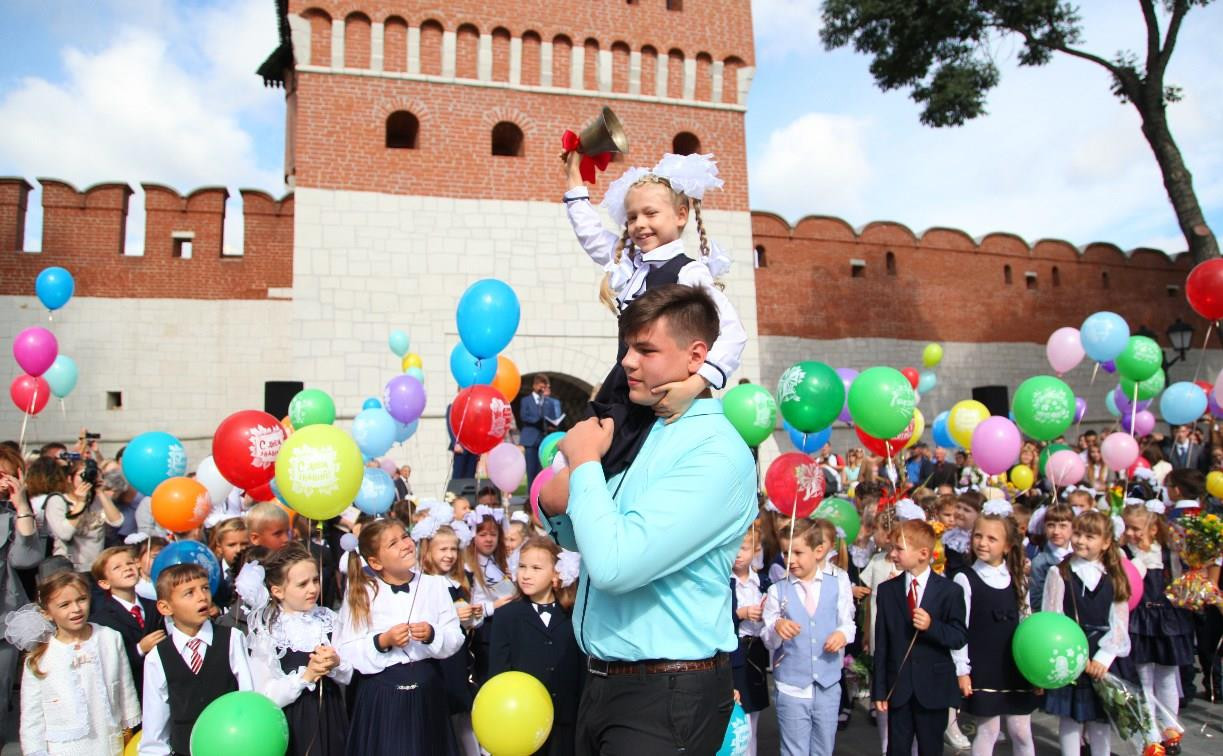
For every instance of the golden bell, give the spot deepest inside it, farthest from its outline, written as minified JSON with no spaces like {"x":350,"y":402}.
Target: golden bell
{"x":604,"y":134}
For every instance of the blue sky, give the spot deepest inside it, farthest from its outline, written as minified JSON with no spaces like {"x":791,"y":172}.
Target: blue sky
{"x":152,"y":90}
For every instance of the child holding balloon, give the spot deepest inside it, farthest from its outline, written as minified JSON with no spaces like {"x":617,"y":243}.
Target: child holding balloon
{"x":995,"y":600}
{"x":1090,"y":587}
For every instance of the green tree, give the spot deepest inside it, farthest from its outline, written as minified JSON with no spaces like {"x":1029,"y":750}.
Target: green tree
{"x":941,"y":50}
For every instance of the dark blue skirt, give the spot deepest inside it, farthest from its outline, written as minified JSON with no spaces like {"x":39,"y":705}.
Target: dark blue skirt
{"x":750,"y":675}
{"x":1161,"y":634}
{"x":402,"y":711}
{"x":1078,"y":702}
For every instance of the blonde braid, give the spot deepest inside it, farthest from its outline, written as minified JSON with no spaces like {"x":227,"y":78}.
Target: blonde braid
{"x":606,"y":295}
{"x":700,"y":228}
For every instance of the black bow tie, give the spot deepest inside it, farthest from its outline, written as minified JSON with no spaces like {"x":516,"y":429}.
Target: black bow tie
{"x":545,"y":608}
{"x":405,"y":588}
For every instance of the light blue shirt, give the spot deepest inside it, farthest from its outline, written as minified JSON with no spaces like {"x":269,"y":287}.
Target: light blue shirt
{"x":657,"y":541}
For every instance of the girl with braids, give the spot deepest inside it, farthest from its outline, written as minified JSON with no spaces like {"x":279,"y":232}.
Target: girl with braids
{"x":652,"y":208}
{"x":1090,"y":587}
{"x":395,"y":624}
{"x":291,"y":649}
{"x":995,"y":601}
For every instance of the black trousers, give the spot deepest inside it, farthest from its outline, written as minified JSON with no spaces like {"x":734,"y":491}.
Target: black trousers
{"x":912,"y":720}
{"x":650,"y":715}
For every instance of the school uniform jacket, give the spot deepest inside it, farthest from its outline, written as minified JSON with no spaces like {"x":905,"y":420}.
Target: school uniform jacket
{"x":106,"y":610}
{"x":522,"y":643}
{"x":929,"y":673}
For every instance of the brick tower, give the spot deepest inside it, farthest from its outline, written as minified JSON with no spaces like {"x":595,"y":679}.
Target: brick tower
{"x":422,"y":143}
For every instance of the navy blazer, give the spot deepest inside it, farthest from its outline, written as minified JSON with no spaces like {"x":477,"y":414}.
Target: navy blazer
{"x":537,"y":421}
{"x":930,"y":661}
{"x":549,"y":653}
{"x":105,"y":610}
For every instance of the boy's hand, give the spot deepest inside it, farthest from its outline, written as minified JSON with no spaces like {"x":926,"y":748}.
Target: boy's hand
{"x":860,"y":592}
{"x":835,"y":642}
{"x":465,"y":612}
{"x":965,"y":685}
{"x":678,"y":396}
{"x":395,"y":636}
{"x":587,"y":441}
{"x":787,"y":629}
{"x":1095,"y":670}
{"x":881,"y":706}
{"x":421,"y":631}
{"x":921,"y":619}
{"x":752,"y":613}
{"x":147,"y":643}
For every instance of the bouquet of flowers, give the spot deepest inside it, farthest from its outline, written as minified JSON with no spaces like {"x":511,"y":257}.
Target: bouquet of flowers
{"x":1199,"y":539}
{"x":1127,"y":710}
{"x":939,"y":561}
{"x":1193,"y":591}
{"x":858,"y":673}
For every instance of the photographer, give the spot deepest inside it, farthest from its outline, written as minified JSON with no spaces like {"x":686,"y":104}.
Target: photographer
{"x":77,"y":509}
{"x":19,"y":549}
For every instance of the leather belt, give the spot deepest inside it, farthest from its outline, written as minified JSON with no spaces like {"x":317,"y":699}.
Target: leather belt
{"x":601,"y":668}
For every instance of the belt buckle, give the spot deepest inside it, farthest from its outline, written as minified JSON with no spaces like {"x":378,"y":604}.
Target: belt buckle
{"x":590,"y":667}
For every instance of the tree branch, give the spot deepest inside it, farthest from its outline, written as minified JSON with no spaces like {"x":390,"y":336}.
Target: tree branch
{"x":1152,"y":23}
{"x":1179,"y":11}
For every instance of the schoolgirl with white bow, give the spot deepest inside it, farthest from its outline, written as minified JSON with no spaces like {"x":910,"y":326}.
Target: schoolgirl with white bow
{"x":1056,"y":522}
{"x":292,"y":654}
{"x":533,"y":635}
{"x":492,"y":587}
{"x":1161,"y":635}
{"x":652,"y":207}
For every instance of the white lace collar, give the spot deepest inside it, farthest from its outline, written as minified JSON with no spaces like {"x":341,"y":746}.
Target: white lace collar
{"x":1089,"y":572}
{"x":995,"y":577}
{"x":302,"y":631}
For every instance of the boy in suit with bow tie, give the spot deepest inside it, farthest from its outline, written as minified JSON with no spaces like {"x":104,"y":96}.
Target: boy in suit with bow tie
{"x":136,"y":619}
{"x":920,"y":622}
{"x":539,"y":414}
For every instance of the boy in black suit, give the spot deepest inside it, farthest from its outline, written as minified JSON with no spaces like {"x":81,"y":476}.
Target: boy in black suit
{"x":136,"y":619}
{"x":920,"y":621}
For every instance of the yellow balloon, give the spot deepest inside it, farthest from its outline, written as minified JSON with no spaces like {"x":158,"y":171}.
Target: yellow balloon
{"x":1214,"y":484}
{"x":133,"y":746}
{"x":919,"y":427}
{"x":932,"y":355}
{"x":512,"y":714}
{"x":964,"y":418}
{"x":412,"y":360}
{"x":1022,"y":477}
{"x":319,"y":471}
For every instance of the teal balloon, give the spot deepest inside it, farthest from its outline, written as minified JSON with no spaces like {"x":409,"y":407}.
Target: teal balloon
{"x":1110,"y":402}
{"x":926,"y":381}
{"x":419,"y":374}
{"x":843,"y":514}
{"x":377,"y":492}
{"x":371,"y":403}
{"x":487,"y":318}
{"x":374,"y":431}
{"x":751,"y":410}
{"x":151,"y":458}
{"x":242,"y":722}
{"x":469,"y":370}
{"x":61,"y":376}
{"x":404,"y":431}
{"x":738,"y":738}
{"x":1044,"y":407}
{"x":398,"y":342}
{"x":810,"y":395}
{"x":1050,"y":650}
{"x":1140,"y":359}
{"x":547,"y":448}
{"x":54,"y":287}
{"x":881,"y":402}
{"x":1147,"y":389}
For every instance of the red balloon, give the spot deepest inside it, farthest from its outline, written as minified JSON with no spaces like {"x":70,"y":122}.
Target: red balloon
{"x":911,"y":375}
{"x":1140,"y":462}
{"x":29,"y":393}
{"x":795,"y":484}
{"x":885,"y":447}
{"x":1203,"y":385}
{"x":1204,"y":289}
{"x":245,"y":447}
{"x":261,"y":492}
{"x":480,"y":417}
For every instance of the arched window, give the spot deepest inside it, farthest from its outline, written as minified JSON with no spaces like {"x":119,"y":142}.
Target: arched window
{"x":1056,"y":276}
{"x":507,"y":139}
{"x":889,"y":262}
{"x":685,"y":143}
{"x":1007,"y":277}
{"x":401,"y":130}
{"x":761,"y":261}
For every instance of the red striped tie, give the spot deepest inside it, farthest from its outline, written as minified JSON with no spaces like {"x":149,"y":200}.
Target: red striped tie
{"x":138,"y":615}
{"x":197,"y":661}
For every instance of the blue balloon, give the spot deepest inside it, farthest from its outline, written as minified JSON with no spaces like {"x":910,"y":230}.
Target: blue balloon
{"x":61,"y":376}
{"x":468,"y":370}
{"x":738,"y":734}
{"x":487,"y":316}
{"x":276,"y":492}
{"x":398,"y":342}
{"x":374,"y":431}
{"x":808,"y":443}
{"x":54,"y":287}
{"x":187,"y":552}
{"x":940,"y":434}
{"x":1182,"y":403}
{"x":371,"y":403}
{"x":404,"y":431}
{"x":151,"y":458}
{"x":926,"y":381}
{"x":419,"y":374}
{"x":1110,"y":402}
{"x":1104,"y":335}
{"x":377,"y":492}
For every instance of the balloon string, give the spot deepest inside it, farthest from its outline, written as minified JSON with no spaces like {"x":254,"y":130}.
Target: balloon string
{"x":1202,"y":352}
{"x":63,"y":411}
{"x":1094,"y":370}
{"x":1134,"y":410}
{"x":25,"y":418}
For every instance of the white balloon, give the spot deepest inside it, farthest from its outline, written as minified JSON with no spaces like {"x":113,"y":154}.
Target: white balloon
{"x":210,"y":477}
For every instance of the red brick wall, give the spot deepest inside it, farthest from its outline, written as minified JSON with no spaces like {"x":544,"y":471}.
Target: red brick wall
{"x":14,"y":194}
{"x":356,"y":41}
{"x":946,"y":286}
{"x":395,"y":45}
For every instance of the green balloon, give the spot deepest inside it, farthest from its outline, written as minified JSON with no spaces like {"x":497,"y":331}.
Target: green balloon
{"x":547,"y":448}
{"x":1043,"y":407}
{"x":1140,"y":359}
{"x":751,"y":409}
{"x":242,"y":722}
{"x":1047,"y":452}
{"x":311,"y":407}
{"x":843,"y":514}
{"x":1147,"y":389}
{"x":881,"y":402}
{"x":1050,"y":650}
{"x":810,"y":395}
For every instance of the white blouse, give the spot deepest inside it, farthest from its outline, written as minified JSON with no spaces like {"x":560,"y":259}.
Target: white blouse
{"x":292,"y":631}
{"x":1116,"y":642}
{"x":747,"y":593}
{"x":628,"y":282}
{"x":496,"y":585}
{"x":427,"y":600}
{"x":995,"y":577}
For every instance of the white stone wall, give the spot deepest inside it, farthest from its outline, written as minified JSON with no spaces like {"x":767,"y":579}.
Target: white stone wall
{"x":366,"y":263}
{"x":964,"y":366}
{"x":182,"y":366}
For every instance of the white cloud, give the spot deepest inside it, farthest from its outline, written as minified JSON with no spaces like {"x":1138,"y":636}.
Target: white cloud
{"x":818,"y":160}
{"x":785,"y":26}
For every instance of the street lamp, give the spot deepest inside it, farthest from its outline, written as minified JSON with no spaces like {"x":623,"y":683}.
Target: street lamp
{"x":1180,"y":335}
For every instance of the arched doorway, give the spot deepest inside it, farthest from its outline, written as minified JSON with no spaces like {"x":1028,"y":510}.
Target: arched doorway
{"x":573,"y":394}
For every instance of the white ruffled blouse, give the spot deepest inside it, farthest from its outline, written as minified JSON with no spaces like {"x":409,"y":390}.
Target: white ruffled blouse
{"x":1116,"y":641}
{"x":292,"y":631}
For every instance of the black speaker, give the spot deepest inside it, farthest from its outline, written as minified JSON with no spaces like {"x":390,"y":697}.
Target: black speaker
{"x":995,"y":398}
{"x":278,"y":394}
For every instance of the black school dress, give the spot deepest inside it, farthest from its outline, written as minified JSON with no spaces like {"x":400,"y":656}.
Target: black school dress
{"x":998,"y":687}
{"x":1091,"y":609}
{"x":317,"y":726}
{"x":1160,"y":633}
{"x":458,"y":670}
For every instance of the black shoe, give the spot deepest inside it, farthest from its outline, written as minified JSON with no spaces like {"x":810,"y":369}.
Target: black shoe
{"x":843,"y":718}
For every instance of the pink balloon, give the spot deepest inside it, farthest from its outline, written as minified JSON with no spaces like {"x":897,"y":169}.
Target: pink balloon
{"x":1065,"y":467}
{"x":388,"y":465}
{"x":35,"y":349}
{"x":506,"y":467}
{"x":1131,"y":573}
{"x":1218,"y":388}
{"x":1119,"y":451}
{"x":995,"y":444}
{"x":1143,"y":422}
{"x":537,"y":485}
{"x":1064,"y":349}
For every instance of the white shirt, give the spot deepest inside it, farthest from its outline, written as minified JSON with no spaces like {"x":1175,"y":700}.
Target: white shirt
{"x":628,"y":281}
{"x":809,"y":588}
{"x":747,"y":593}
{"x":1148,"y":559}
{"x":295,"y":631}
{"x":877,"y":570}
{"x":995,"y":577}
{"x":921,"y":581}
{"x":1116,"y":642}
{"x":495,"y":585}
{"x":156,"y":738}
{"x":427,"y":600}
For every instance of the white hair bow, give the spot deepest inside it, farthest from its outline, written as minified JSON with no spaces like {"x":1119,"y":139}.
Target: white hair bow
{"x":568,"y":567}
{"x":520,"y":517}
{"x":483,"y":510}
{"x":691,"y":174}
{"x":464,"y":533}
{"x":426,"y":528}
{"x":907,"y":509}
{"x":614,"y":195}
{"x":136,"y":538}
{"x":997,"y":508}
{"x":1133,"y":501}
{"x":249,"y":584}
{"x":1155,"y":506}
{"x":27,"y":627}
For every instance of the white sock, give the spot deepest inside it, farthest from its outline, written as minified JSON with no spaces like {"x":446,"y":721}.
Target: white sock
{"x":1069,"y":736}
{"x":1100,"y":737}
{"x":753,"y":721}
{"x":1167,"y":692}
{"x":987,"y":735}
{"x":1019,"y":728}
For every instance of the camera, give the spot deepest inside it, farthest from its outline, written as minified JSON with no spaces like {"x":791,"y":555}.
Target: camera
{"x":93,"y":436}
{"x":90,"y":473}
{"x":70,"y":456}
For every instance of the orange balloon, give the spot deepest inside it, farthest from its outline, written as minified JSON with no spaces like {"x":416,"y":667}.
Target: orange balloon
{"x":181,"y":504}
{"x":288,"y":425}
{"x":507,"y":380}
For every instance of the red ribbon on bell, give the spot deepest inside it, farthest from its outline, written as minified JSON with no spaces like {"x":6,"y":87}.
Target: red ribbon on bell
{"x":589,"y":163}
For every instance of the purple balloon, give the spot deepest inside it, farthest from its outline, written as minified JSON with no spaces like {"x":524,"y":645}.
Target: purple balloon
{"x":847,"y":376}
{"x":404,"y":398}
{"x":995,"y":444}
{"x":1109,"y":366}
{"x":1213,"y":405}
{"x":35,"y":349}
{"x":1143,"y":422}
{"x":1125,"y":406}
{"x":1080,"y":409}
